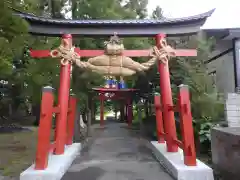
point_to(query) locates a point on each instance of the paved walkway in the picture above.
(116, 153)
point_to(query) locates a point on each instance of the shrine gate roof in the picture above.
(128, 27)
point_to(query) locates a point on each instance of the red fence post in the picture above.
(125, 101)
(63, 97)
(101, 109)
(159, 120)
(186, 126)
(166, 99)
(44, 130)
(71, 119)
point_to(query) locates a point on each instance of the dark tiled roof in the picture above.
(33, 18)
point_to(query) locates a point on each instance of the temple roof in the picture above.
(128, 27)
(222, 23)
(97, 22)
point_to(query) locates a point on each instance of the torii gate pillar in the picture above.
(63, 98)
(166, 99)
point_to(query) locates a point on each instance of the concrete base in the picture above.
(225, 143)
(174, 164)
(57, 165)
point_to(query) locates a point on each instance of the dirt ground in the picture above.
(17, 151)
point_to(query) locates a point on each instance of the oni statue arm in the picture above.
(131, 64)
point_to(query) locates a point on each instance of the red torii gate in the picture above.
(63, 98)
(117, 94)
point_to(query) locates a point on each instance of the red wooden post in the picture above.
(159, 120)
(126, 110)
(166, 99)
(186, 126)
(44, 130)
(101, 108)
(129, 112)
(71, 119)
(63, 98)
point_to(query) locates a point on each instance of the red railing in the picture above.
(184, 108)
(45, 146)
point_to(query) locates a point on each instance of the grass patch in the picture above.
(17, 151)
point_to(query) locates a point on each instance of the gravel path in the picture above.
(116, 153)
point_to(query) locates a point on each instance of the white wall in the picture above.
(224, 67)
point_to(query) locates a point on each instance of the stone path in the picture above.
(116, 153)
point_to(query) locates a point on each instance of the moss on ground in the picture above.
(17, 151)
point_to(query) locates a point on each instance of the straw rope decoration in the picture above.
(113, 62)
(164, 52)
(64, 53)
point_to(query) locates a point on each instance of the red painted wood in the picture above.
(63, 100)
(67, 36)
(56, 110)
(166, 100)
(129, 53)
(186, 127)
(52, 147)
(159, 120)
(161, 36)
(179, 143)
(119, 97)
(39, 53)
(105, 90)
(71, 119)
(44, 131)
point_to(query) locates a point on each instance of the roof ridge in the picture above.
(42, 18)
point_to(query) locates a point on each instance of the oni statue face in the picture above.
(114, 49)
(114, 46)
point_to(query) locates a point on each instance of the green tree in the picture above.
(139, 7)
(108, 9)
(25, 75)
(12, 39)
(157, 13)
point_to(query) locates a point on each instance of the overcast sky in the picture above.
(226, 15)
(181, 8)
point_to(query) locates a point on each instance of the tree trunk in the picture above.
(36, 113)
(77, 129)
(139, 111)
(122, 114)
(89, 118)
(89, 124)
(93, 111)
(146, 108)
(116, 110)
